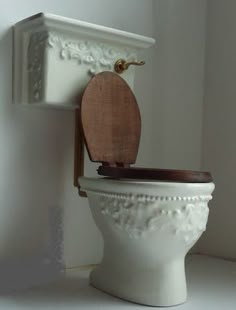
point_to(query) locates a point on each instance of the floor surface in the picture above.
(211, 286)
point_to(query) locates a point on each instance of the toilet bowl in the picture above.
(147, 228)
(149, 218)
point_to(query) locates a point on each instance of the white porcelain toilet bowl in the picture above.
(147, 227)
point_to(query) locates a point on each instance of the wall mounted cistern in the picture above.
(55, 57)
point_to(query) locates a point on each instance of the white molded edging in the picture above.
(54, 58)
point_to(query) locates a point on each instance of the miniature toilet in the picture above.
(148, 218)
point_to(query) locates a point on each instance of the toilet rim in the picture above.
(146, 188)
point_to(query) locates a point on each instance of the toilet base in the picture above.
(164, 286)
(147, 228)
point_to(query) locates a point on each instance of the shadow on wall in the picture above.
(20, 273)
(33, 146)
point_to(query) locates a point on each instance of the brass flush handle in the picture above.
(121, 65)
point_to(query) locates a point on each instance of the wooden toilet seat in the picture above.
(182, 176)
(111, 124)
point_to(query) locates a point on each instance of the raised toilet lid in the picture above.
(111, 123)
(111, 120)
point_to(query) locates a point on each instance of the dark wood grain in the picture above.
(182, 176)
(111, 120)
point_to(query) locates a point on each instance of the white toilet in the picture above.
(149, 218)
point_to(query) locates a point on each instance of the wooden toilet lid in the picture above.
(111, 120)
(111, 123)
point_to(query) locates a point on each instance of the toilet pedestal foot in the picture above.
(163, 286)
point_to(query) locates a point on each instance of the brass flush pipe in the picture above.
(78, 152)
(121, 65)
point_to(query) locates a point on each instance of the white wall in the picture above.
(219, 147)
(36, 146)
(36, 149)
(194, 107)
(179, 82)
